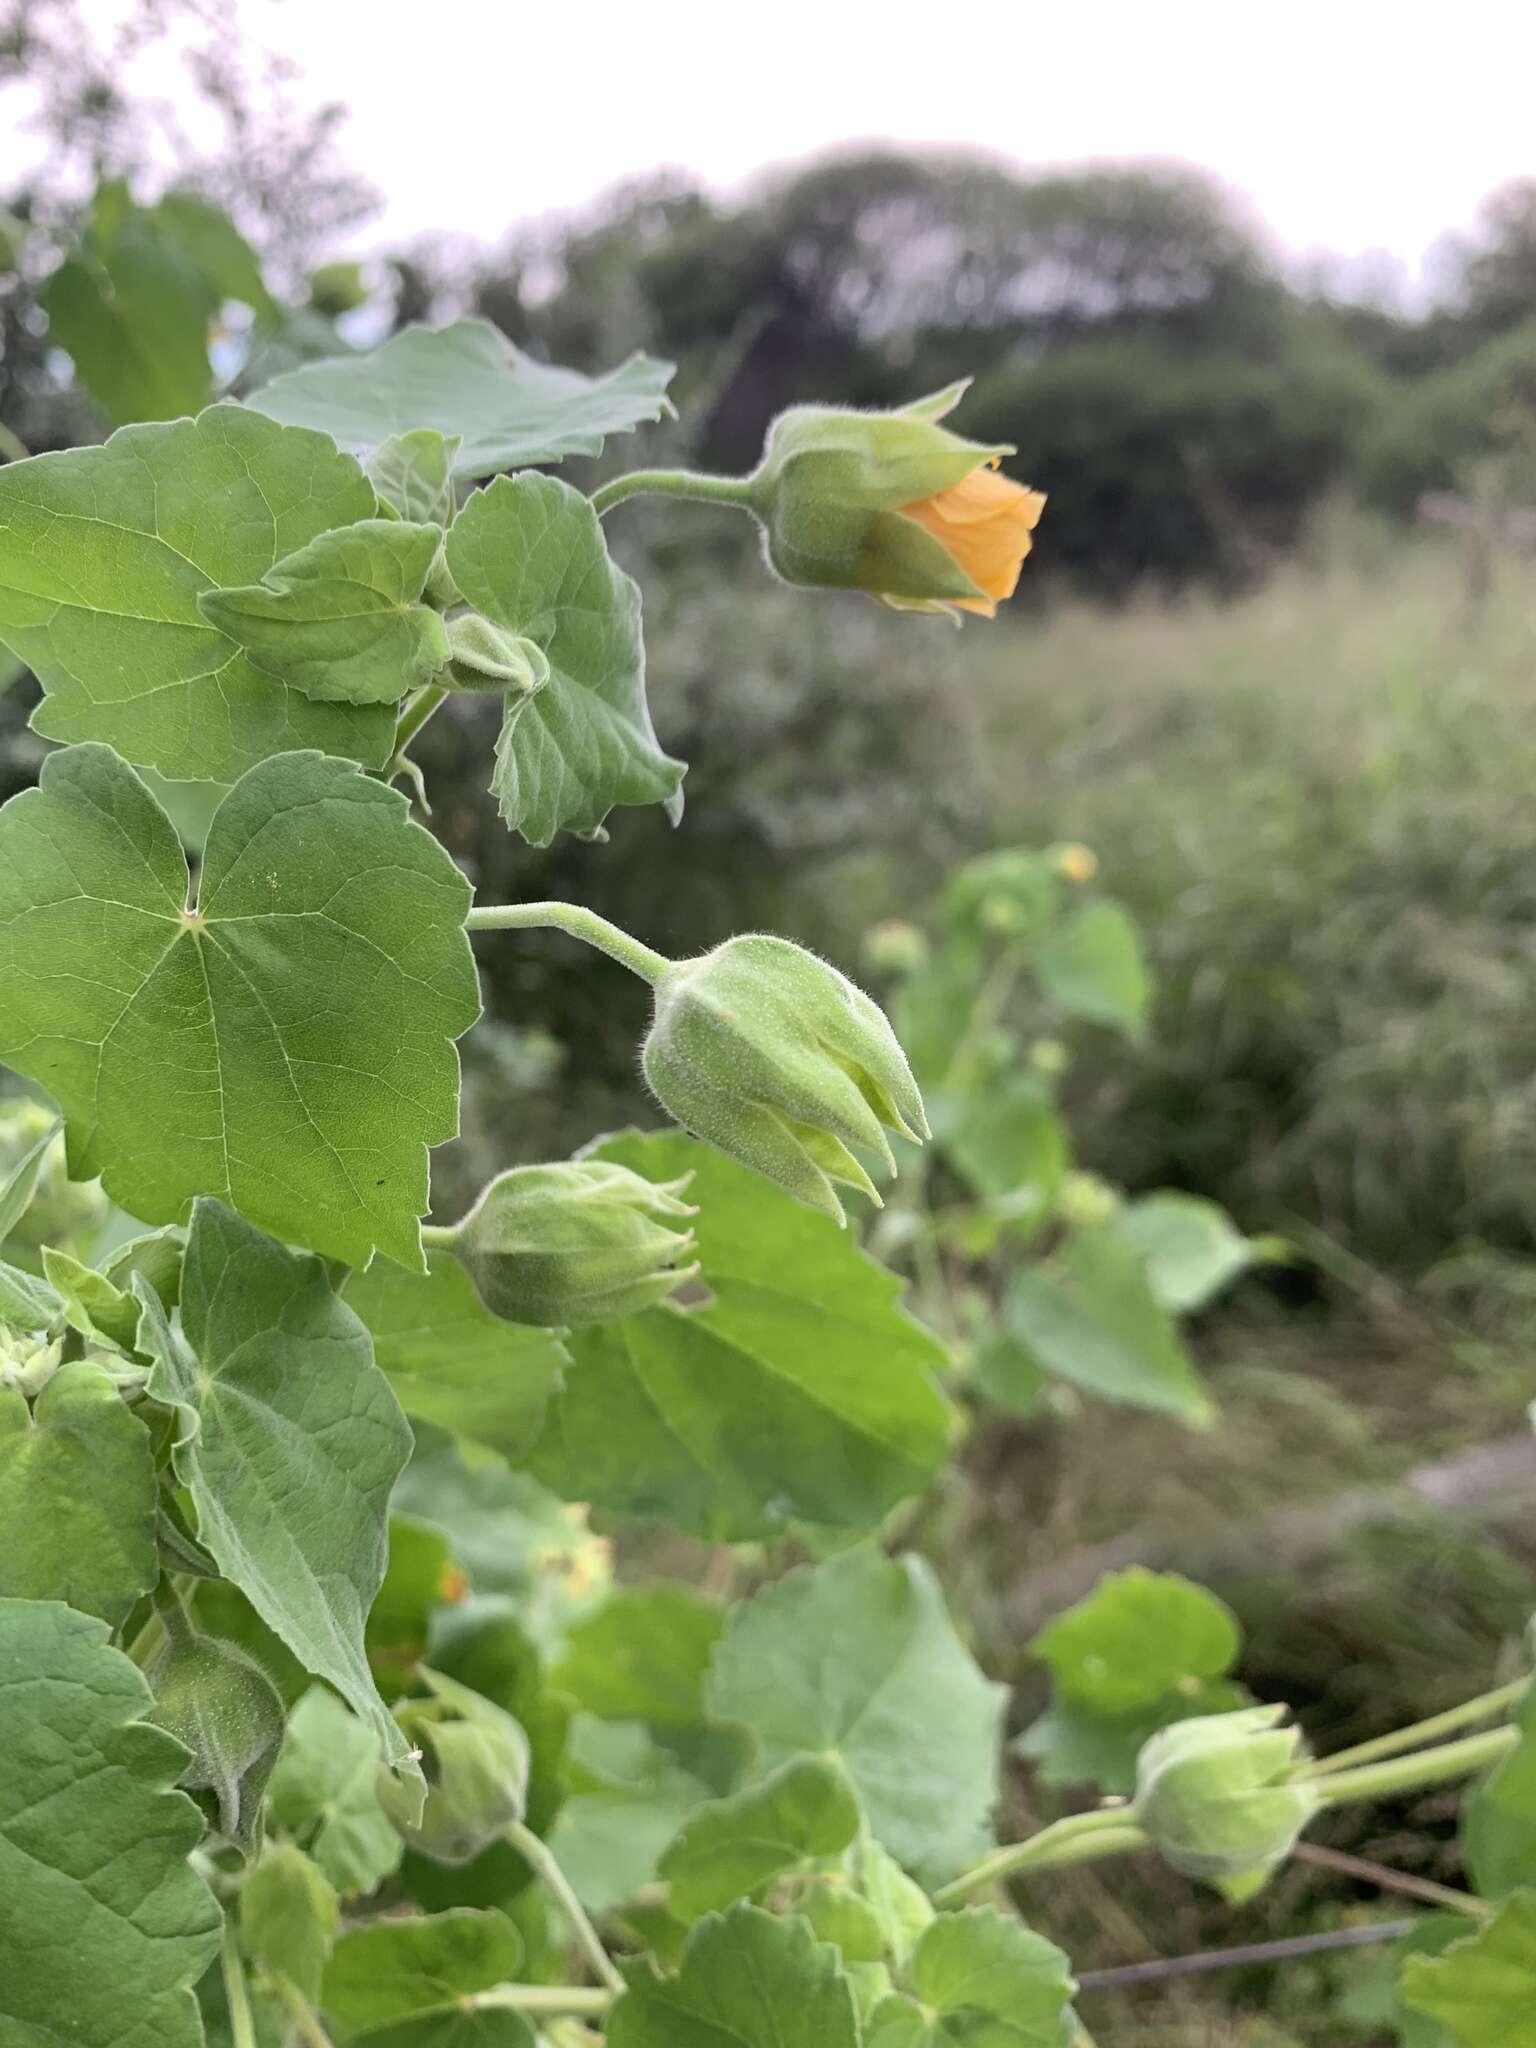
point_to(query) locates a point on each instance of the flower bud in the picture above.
(578, 1242)
(28, 1363)
(770, 1054)
(1217, 1797)
(1085, 1201)
(222, 1705)
(893, 504)
(484, 656)
(895, 947)
(475, 1761)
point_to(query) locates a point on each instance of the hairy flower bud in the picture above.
(475, 1761)
(222, 1705)
(1216, 1793)
(582, 1241)
(894, 504)
(484, 656)
(770, 1054)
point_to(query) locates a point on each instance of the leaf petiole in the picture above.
(1078, 1838)
(674, 483)
(580, 923)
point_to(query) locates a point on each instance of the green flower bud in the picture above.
(895, 947)
(578, 1242)
(222, 1705)
(337, 288)
(475, 1761)
(893, 504)
(1085, 1201)
(486, 657)
(1217, 1796)
(27, 1364)
(773, 1056)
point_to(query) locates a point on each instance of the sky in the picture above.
(1351, 126)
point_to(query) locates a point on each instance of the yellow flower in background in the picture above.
(985, 524)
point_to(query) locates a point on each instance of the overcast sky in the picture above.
(1351, 124)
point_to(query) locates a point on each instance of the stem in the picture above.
(172, 1614)
(539, 1998)
(1388, 1880)
(581, 923)
(1483, 1708)
(427, 700)
(1426, 1767)
(1240, 1958)
(674, 483)
(242, 2028)
(528, 1845)
(1079, 1838)
(301, 2013)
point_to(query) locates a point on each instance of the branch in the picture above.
(1238, 1958)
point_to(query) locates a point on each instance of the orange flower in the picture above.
(984, 524)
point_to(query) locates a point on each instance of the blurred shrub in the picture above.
(1159, 466)
(1435, 431)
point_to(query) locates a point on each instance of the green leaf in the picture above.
(858, 1658)
(209, 238)
(732, 1847)
(1137, 1635)
(468, 380)
(1190, 1245)
(134, 313)
(157, 1254)
(341, 618)
(801, 1390)
(529, 554)
(398, 1983)
(77, 1496)
(1009, 1139)
(289, 1916)
(450, 1360)
(104, 1926)
(1091, 964)
(324, 1791)
(476, 1766)
(984, 1981)
(1089, 1316)
(1483, 1988)
(289, 1445)
(93, 1304)
(642, 1656)
(22, 1179)
(1499, 1817)
(418, 1577)
(1070, 1744)
(27, 1303)
(1431, 1936)
(746, 1980)
(287, 1046)
(103, 555)
(413, 474)
(629, 1796)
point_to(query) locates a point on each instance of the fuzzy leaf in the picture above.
(77, 1496)
(529, 554)
(1483, 1988)
(104, 553)
(324, 1791)
(104, 1926)
(1136, 1636)
(729, 1848)
(413, 474)
(468, 380)
(450, 1360)
(290, 1441)
(1091, 963)
(397, 1983)
(287, 1048)
(801, 1390)
(984, 1981)
(1190, 1245)
(858, 1659)
(289, 1916)
(1499, 1816)
(745, 1980)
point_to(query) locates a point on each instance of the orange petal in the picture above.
(984, 524)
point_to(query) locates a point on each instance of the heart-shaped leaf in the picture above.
(287, 1045)
(104, 553)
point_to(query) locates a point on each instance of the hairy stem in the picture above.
(427, 700)
(1388, 1880)
(580, 923)
(534, 1851)
(1079, 1838)
(1424, 1767)
(301, 2014)
(1483, 1708)
(242, 2028)
(673, 483)
(554, 1998)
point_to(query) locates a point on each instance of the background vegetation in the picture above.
(1290, 716)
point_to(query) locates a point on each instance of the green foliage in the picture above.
(325, 1793)
(289, 1916)
(732, 1848)
(858, 1659)
(467, 381)
(529, 554)
(399, 1983)
(1499, 1818)
(97, 1901)
(743, 1978)
(731, 1420)
(104, 553)
(1484, 1987)
(288, 1442)
(981, 1980)
(231, 987)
